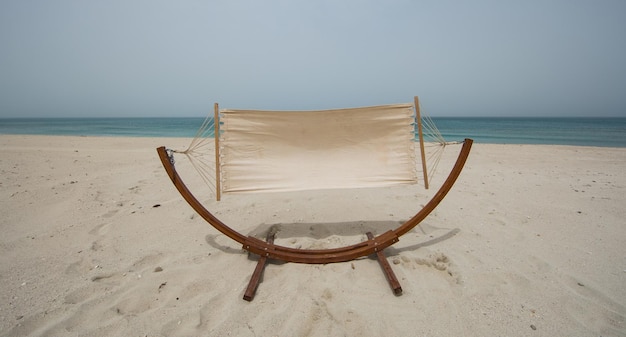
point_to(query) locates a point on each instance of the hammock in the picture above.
(276, 151)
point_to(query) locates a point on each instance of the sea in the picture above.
(587, 131)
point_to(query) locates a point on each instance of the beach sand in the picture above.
(96, 241)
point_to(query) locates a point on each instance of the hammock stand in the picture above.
(268, 250)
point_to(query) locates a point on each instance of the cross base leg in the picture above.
(384, 264)
(256, 275)
(255, 279)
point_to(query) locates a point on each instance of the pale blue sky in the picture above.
(134, 58)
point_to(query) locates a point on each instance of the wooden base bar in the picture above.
(255, 279)
(256, 275)
(384, 264)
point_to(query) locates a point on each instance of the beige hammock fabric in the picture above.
(272, 151)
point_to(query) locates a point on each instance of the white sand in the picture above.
(531, 241)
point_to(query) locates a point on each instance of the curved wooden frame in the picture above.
(316, 256)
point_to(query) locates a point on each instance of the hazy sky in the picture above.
(176, 58)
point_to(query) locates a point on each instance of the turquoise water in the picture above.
(606, 132)
(127, 127)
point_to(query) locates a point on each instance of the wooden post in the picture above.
(421, 138)
(384, 264)
(216, 135)
(258, 271)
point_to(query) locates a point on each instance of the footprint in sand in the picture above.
(78, 268)
(594, 309)
(135, 189)
(100, 229)
(437, 261)
(109, 213)
(120, 285)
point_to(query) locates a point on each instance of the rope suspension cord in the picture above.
(434, 141)
(199, 152)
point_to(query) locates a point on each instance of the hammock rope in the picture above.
(436, 144)
(199, 152)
